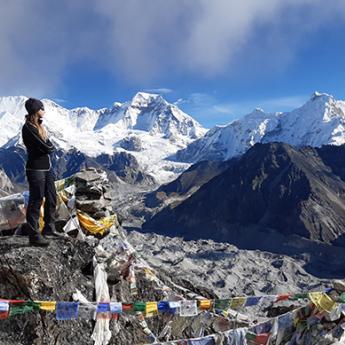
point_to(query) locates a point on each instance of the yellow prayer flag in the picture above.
(205, 304)
(149, 273)
(151, 308)
(47, 305)
(237, 302)
(96, 226)
(322, 301)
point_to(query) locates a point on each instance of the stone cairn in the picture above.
(92, 192)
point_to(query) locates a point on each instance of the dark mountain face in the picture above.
(187, 183)
(125, 166)
(12, 162)
(272, 189)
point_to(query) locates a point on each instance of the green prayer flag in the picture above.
(140, 306)
(297, 296)
(23, 308)
(342, 298)
(222, 304)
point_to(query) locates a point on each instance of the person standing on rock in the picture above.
(39, 174)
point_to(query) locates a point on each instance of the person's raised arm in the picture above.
(32, 138)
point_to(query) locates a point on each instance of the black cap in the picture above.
(33, 105)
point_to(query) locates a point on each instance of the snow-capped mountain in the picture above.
(151, 131)
(319, 121)
(147, 126)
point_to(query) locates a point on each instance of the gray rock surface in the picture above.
(6, 186)
(225, 269)
(131, 143)
(53, 273)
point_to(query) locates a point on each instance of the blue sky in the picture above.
(217, 60)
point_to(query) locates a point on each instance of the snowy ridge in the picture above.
(152, 130)
(159, 126)
(318, 122)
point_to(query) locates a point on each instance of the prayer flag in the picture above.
(297, 296)
(23, 308)
(47, 305)
(257, 339)
(151, 308)
(4, 310)
(285, 321)
(342, 298)
(103, 311)
(87, 311)
(4, 306)
(116, 307)
(103, 307)
(322, 301)
(221, 304)
(209, 340)
(205, 304)
(237, 302)
(252, 300)
(283, 297)
(67, 310)
(127, 307)
(175, 306)
(140, 306)
(188, 308)
(163, 306)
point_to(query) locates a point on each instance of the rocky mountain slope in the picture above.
(273, 190)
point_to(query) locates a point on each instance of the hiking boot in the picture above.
(49, 231)
(38, 241)
(53, 234)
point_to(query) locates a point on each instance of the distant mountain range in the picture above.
(150, 141)
(320, 121)
(139, 134)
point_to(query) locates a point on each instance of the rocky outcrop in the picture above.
(54, 273)
(131, 143)
(125, 166)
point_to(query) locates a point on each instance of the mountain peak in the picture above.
(321, 96)
(143, 99)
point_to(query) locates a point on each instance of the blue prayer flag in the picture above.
(67, 310)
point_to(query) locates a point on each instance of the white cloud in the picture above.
(143, 41)
(161, 90)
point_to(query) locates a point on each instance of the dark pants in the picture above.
(41, 185)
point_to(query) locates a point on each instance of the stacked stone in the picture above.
(93, 193)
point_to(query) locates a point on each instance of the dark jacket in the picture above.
(38, 150)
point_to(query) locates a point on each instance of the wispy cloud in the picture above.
(282, 103)
(145, 40)
(60, 100)
(208, 109)
(159, 90)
